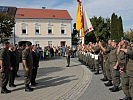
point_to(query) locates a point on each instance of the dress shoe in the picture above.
(126, 98)
(104, 79)
(114, 89)
(34, 84)
(12, 85)
(5, 91)
(28, 89)
(96, 73)
(109, 83)
(67, 66)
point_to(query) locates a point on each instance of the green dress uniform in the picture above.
(129, 71)
(114, 72)
(68, 55)
(27, 55)
(96, 59)
(107, 66)
(122, 59)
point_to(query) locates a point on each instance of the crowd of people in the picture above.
(116, 61)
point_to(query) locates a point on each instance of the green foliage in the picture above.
(116, 27)
(6, 26)
(129, 35)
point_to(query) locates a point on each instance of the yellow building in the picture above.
(47, 27)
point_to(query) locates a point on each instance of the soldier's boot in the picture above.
(109, 83)
(126, 98)
(104, 79)
(28, 88)
(114, 89)
(97, 72)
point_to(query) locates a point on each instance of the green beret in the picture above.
(28, 43)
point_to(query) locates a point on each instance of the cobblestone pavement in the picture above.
(56, 82)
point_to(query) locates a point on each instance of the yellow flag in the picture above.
(78, 18)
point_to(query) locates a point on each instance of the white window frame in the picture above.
(50, 28)
(63, 28)
(24, 26)
(37, 27)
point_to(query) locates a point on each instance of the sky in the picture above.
(97, 8)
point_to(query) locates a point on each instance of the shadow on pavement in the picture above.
(41, 72)
(75, 65)
(53, 82)
(48, 82)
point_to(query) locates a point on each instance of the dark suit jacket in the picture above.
(35, 59)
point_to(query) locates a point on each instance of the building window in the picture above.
(62, 30)
(24, 30)
(50, 43)
(37, 30)
(49, 30)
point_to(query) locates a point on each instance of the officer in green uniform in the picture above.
(68, 55)
(4, 67)
(129, 70)
(27, 66)
(122, 60)
(113, 60)
(96, 59)
(106, 65)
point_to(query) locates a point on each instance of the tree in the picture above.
(101, 30)
(6, 26)
(129, 35)
(116, 27)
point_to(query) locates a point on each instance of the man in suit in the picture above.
(35, 57)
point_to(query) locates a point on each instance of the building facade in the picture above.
(46, 27)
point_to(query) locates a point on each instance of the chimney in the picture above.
(43, 7)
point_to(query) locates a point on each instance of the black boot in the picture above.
(109, 83)
(5, 90)
(28, 89)
(114, 89)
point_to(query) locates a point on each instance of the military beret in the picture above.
(28, 43)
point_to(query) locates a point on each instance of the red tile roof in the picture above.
(42, 13)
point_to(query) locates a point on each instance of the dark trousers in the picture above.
(17, 68)
(68, 60)
(34, 74)
(12, 76)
